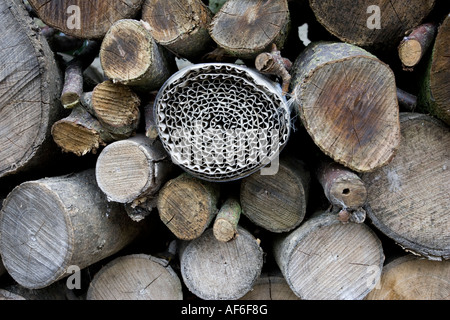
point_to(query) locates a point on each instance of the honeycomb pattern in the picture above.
(221, 122)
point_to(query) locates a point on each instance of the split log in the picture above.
(408, 199)
(187, 205)
(216, 270)
(135, 277)
(129, 55)
(412, 278)
(51, 224)
(247, 28)
(413, 47)
(270, 287)
(80, 133)
(342, 187)
(129, 171)
(84, 19)
(29, 93)
(277, 202)
(116, 107)
(368, 23)
(434, 94)
(73, 75)
(324, 259)
(181, 26)
(227, 219)
(350, 116)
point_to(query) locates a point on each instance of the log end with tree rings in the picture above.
(220, 121)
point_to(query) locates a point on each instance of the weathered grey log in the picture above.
(412, 278)
(29, 93)
(367, 23)
(130, 170)
(247, 28)
(55, 291)
(85, 19)
(181, 26)
(135, 277)
(129, 55)
(408, 199)
(51, 224)
(324, 259)
(227, 219)
(270, 286)
(216, 270)
(187, 205)
(351, 117)
(277, 202)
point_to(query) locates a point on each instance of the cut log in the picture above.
(29, 93)
(187, 205)
(277, 202)
(270, 287)
(129, 55)
(80, 133)
(227, 219)
(180, 26)
(342, 187)
(116, 107)
(84, 19)
(50, 224)
(130, 170)
(368, 23)
(6, 295)
(324, 259)
(350, 116)
(247, 28)
(412, 278)
(135, 277)
(216, 270)
(73, 75)
(413, 47)
(434, 94)
(406, 101)
(408, 199)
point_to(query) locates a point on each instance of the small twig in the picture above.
(273, 63)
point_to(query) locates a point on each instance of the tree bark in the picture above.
(29, 93)
(434, 94)
(413, 47)
(355, 22)
(226, 221)
(215, 270)
(324, 259)
(181, 26)
(351, 117)
(408, 199)
(129, 55)
(80, 133)
(277, 202)
(247, 28)
(187, 205)
(50, 224)
(85, 19)
(130, 170)
(135, 277)
(412, 278)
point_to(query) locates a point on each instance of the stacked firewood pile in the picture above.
(224, 150)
